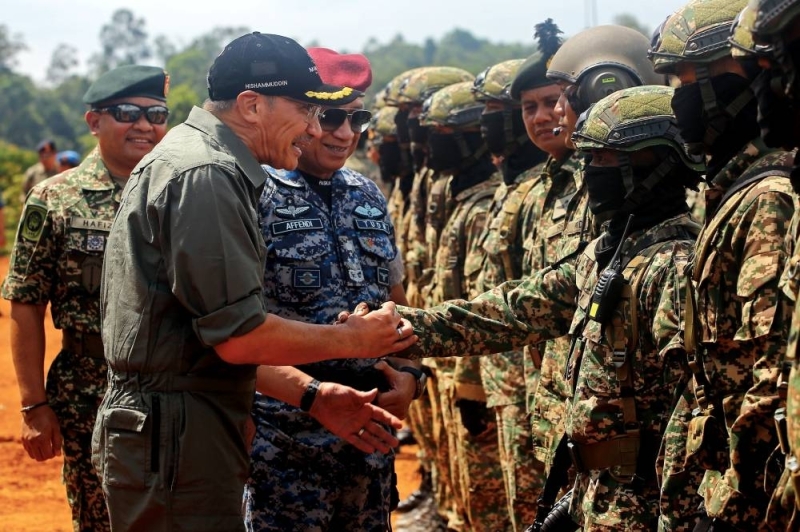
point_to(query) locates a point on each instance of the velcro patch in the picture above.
(280, 228)
(95, 242)
(383, 276)
(33, 222)
(373, 225)
(95, 224)
(306, 278)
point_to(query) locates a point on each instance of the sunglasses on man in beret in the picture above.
(332, 119)
(129, 113)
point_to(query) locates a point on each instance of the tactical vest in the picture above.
(451, 279)
(631, 455)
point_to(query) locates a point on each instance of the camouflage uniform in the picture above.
(322, 259)
(35, 175)
(57, 259)
(620, 409)
(516, 207)
(741, 319)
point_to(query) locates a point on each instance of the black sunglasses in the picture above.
(129, 113)
(332, 119)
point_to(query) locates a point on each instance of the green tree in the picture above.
(62, 63)
(10, 46)
(180, 101)
(123, 42)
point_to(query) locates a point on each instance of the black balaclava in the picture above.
(454, 151)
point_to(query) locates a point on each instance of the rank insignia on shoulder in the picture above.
(33, 222)
(367, 211)
(291, 211)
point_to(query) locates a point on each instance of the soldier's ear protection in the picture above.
(599, 83)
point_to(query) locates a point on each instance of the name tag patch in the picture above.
(306, 278)
(94, 224)
(280, 228)
(373, 225)
(383, 276)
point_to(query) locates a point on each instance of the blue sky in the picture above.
(338, 24)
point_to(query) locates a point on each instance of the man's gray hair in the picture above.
(219, 106)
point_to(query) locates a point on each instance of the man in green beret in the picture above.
(57, 259)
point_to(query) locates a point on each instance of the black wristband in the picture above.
(28, 408)
(420, 376)
(310, 393)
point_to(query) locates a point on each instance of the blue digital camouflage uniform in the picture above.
(321, 260)
(57, 259)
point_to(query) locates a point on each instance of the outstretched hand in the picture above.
(349, 414)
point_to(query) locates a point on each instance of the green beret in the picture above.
(128, 81)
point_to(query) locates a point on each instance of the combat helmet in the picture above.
(423, 82)
(532, 73)
(773, 16)
(453, 106)
(392, 90)
(382, 122)
(634, 119)
(631, 120)
(741, 37)
(600, 61)
(696, 33)
(494, 83)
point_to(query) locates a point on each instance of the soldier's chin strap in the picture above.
(468, 155)
(719, 118)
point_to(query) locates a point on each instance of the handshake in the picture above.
(379, 332)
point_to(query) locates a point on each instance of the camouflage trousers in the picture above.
(287, 492)
(449, 496)
(75, 387)
(481, 478)
(420, 421)
(84, 491)
(523, 474)
(602, 504)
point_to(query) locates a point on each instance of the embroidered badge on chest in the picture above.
(383, 276)
(95, 243)
(367, 211)
(306, 278)
(290, 210)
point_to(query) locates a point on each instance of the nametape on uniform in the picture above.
(280, 228)
(33, 223)
(373, 225)
(94, 224)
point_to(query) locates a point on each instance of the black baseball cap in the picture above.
(273, 65)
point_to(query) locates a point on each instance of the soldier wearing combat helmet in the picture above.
(737, 341)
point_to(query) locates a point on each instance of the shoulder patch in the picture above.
(33, 222)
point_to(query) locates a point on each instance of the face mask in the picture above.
(493, 131)
(389, 162)
(774, 108)
(605, 188)
(444, 152)
(419, 143)
(691, 116)
(401, 121)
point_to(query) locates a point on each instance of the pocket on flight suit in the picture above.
(127, 446)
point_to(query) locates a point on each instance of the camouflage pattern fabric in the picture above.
(502, 375)
(547, 394)
(321, 260)
(361, 163)
(396, 208)
(416, 257)
(744, 325)
(544, 306)
(35, 175)
(57, 259)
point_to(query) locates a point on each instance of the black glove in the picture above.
(473, 415)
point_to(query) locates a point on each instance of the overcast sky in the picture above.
(339, 24)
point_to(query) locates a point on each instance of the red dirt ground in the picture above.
(32, 498)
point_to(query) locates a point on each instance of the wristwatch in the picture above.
(421, 376)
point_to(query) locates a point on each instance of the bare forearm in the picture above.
(27, 350)
(284, 383)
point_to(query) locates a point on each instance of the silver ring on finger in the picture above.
(360, 431)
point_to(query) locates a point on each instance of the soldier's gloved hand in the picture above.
(473, 415)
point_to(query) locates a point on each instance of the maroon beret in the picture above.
(348, 70)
